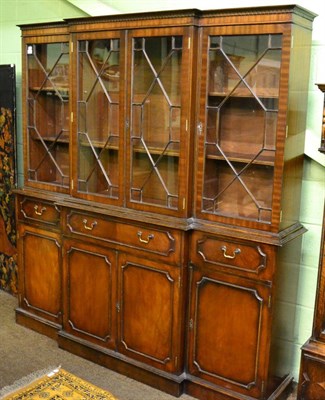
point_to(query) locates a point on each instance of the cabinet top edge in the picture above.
(62, 200)
(274, 9)
(254, 235)
(194, 13)
(123, 17)
(182, 224)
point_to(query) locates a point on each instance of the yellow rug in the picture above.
(59, 385)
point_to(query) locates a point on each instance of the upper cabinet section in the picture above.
(182, 113)
(47, 113)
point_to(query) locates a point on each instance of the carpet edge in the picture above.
(27, 380)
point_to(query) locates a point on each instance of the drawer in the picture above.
(158, 241)
(246, 258)
(31, 209)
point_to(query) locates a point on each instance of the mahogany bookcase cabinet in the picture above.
(312, 366)
(162, 160)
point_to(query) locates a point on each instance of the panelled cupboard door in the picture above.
(240, 116)
(40, 275)
(159, 119)
(46, 118)
(149, 312)
(229, 321)
(98, 67)
(89, 293)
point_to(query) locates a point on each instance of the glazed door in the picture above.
(149, 312)
(40, 277)
(48, 115)
(228, 329)
(99, 162)
(89, 293)
(159, 125)
(238, 127)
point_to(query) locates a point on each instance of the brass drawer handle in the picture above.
(224, 249)
(91, 227)
(146, 241)
(39, 212)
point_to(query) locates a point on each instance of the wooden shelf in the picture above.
(157, 151)
(52, 139)
(272, 93)
(52, 91)
(153, 150)
(242, 159)
(98, 143)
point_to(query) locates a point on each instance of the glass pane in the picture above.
(242, 112)
(98, 116)
(252, 59)
(48, 113)
(155, 120)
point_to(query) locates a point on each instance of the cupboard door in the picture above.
(48, 114)
(100, 91)
(240, 114)
(89, 293)
(149, 312)
(40, 277)
(159, 119)
(229, 324)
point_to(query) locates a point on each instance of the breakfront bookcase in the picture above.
(162, 169)
(312, 365)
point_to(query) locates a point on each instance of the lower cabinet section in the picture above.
(228, 339)
(191, 313)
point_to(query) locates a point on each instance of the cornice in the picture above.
(194, 14)
(184, 13)
(277, 9)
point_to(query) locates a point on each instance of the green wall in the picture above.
(299, 299)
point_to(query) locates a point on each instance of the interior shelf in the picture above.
(271, 93)
(242, 159)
